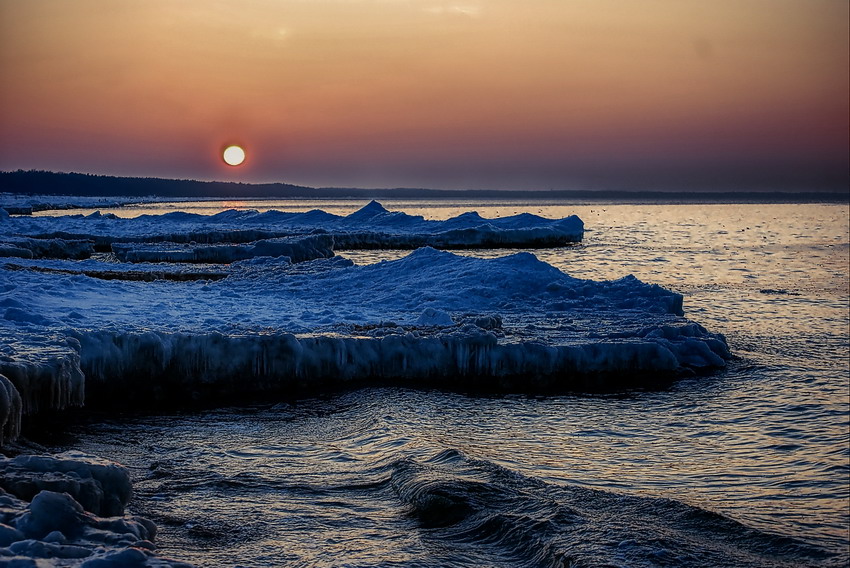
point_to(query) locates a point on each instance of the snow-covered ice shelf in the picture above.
(429, 318)
(232, 314)
(370, 227)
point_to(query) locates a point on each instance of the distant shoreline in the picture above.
(42, 183)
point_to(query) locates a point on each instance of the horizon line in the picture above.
(680, 193)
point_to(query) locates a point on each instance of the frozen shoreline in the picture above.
(74, 330)
(418, 321)
(292, 315)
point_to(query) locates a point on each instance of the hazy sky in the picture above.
(562, 94)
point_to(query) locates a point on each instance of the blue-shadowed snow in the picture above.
(270, 325)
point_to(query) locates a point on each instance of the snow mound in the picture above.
(442, 280)
(273, 293)
(68, 510)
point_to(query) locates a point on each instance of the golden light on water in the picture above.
(233, 155)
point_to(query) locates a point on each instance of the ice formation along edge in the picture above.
(287, 316)
(371, 227)
(68, 510)
(188, 308)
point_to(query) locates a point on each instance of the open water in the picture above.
(745, 467)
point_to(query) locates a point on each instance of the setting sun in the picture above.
(502, 283)
(233, 155)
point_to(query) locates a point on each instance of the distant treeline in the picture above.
(36, 182)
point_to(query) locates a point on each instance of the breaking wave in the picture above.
(428, 479)
(484, 512)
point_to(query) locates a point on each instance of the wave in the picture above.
(480, 512)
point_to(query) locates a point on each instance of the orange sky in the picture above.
(564, 94)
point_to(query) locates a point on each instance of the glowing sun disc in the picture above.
(233, 155)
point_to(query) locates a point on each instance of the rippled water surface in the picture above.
(748, 466)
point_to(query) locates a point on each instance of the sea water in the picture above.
(743, 467)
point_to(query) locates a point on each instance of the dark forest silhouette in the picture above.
(37, 182)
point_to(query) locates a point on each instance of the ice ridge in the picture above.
(372, 226)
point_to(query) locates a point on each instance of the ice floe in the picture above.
(68, 510)
(372, 226)
(26, 247)
(297, 249)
